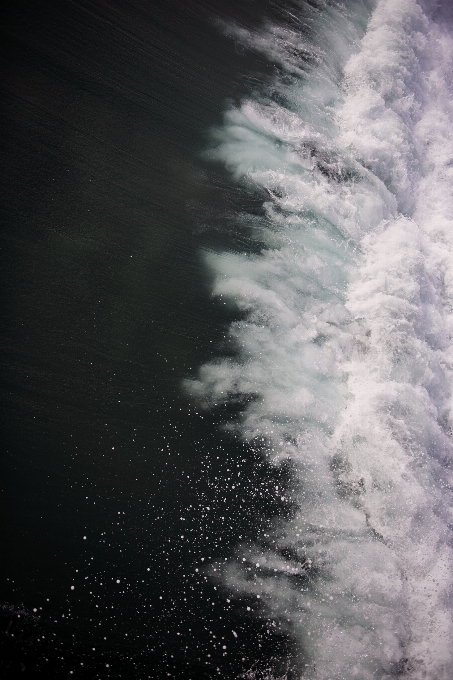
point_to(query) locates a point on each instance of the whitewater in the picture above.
(344, 336)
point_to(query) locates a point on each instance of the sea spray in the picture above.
(344, 347)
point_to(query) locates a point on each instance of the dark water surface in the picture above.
(114, 488)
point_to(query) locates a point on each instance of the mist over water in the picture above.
(343, 340)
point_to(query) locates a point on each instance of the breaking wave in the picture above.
(344, 343)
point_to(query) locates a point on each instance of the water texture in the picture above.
(343, 364)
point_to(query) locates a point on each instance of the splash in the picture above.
(345, 340)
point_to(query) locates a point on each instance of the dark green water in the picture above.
(108, 472)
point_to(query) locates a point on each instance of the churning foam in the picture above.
(345, 341)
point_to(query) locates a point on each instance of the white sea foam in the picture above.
(346, 341)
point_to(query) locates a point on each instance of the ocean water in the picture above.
(226, 374)
(110, 473)
(106, 470)
(338, 364)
